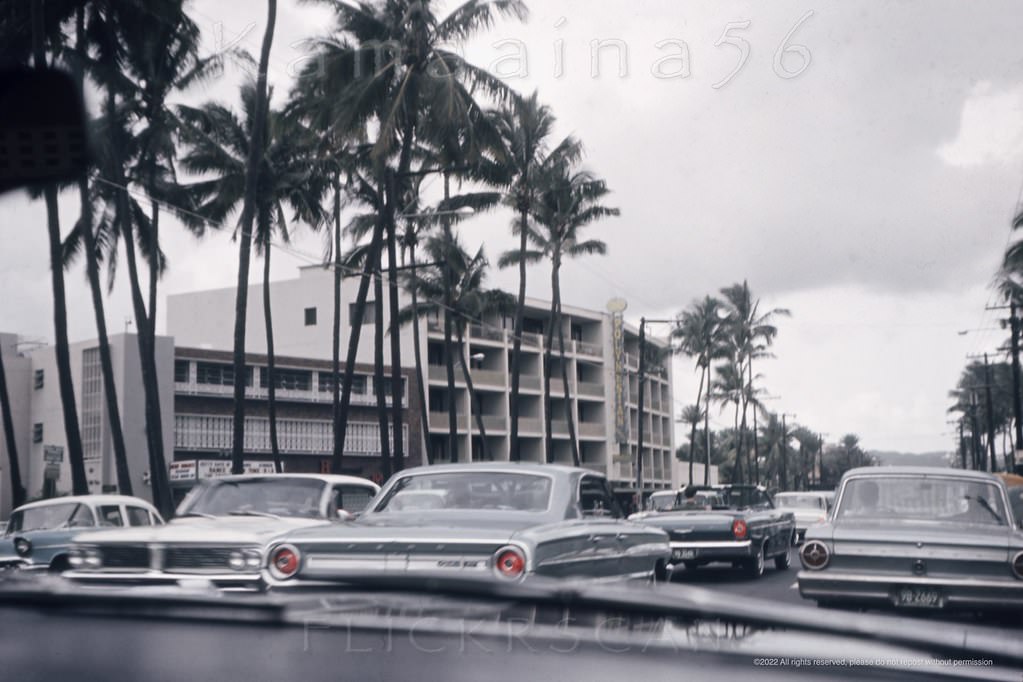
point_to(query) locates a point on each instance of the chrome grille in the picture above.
(187, 558)
(126, 556)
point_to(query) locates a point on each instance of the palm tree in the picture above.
(41, 29)
(568, 204)
(750, 333)
(692, 415)
(525, 127)
(729, 387)
(470, 301)
(218, 142)
(391, 68)
(701, 335)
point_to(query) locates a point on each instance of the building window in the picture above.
(576, 332)
(326, 383)
(219, 374)
(37, 433)
(368, 315)
(38, 378)
(289, 379)
(181, 368)
(310, 317)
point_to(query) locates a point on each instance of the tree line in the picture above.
(725, 336)
(383, 103)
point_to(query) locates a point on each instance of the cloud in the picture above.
(990, 129)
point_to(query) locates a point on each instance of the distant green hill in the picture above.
(926, 459)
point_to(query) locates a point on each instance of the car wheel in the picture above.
(783, 560)
(755, 566)
(59, 564)
(660, 573)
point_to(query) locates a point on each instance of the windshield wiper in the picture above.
(197, 513)
(253, 512)
(987, 506)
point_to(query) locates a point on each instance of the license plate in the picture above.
(918, 597)
(683, 554)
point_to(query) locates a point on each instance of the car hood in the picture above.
(223, 529)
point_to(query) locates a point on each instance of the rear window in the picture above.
(948, 500)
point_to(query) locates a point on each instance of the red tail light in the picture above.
(739, 529)
(284, 562)
(814, 555)
(510, 563)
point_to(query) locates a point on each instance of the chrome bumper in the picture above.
(163, 578)
(881, 590)
(724, 550)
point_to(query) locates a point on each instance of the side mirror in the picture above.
(345, 515)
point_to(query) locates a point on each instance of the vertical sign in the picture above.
(616, 307)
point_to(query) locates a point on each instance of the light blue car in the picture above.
(38, 534)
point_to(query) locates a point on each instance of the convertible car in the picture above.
(505, 520)
(668, 500)
(221, 530)
(919, 538)
(38, 535)
(744, 529)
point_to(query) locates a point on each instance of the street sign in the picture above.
(53, 454)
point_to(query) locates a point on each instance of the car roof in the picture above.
(921, 471)
(89, 499)
(822, 493)
(524, 467)
(326, 478)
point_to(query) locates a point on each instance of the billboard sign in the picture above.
(617, 307)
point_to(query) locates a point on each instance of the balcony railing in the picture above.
(531, 340)
(592, 429)
(312, 395)
(488, 377)
(595, 466)
(592, 389)
(492, 423)
(589, 349)
(530, 425)
(529, 382)
(481, 332)
(559, 427)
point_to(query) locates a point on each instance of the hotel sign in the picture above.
(616, 307)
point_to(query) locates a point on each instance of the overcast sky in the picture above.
(869, 190)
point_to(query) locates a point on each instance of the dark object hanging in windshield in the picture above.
(42, 128)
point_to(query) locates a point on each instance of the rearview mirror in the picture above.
(42, 128)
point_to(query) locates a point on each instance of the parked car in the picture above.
(38, 534)
(505, 520)
(221, 530)
(809, 508)
(745, 529)
(916, 538)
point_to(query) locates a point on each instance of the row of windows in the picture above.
(202, 432)
(222, 374)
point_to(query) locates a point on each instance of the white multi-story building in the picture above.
(195, 373)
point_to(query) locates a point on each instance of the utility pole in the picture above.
(783, 471)
(990, 414)
(974, 431)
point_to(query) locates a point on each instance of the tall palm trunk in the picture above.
(420, 379)
(124, 486)
(335, 349)
(271, 378)
(17, 487)
(154, 267)
(341, 418)
(449, 359)
(737, 466)
(548, 347)
(378, 372)
(79, 483)
(520, 316)
(706, 431)
(154, 422)
(564, 375)
(692, 434)
(252, 166)
(474, 401)
(397, 394)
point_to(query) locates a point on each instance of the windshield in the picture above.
(42, 518)
(278, 496)
(661, 501)
(468, 490)
(799, 501)
(946, 500)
